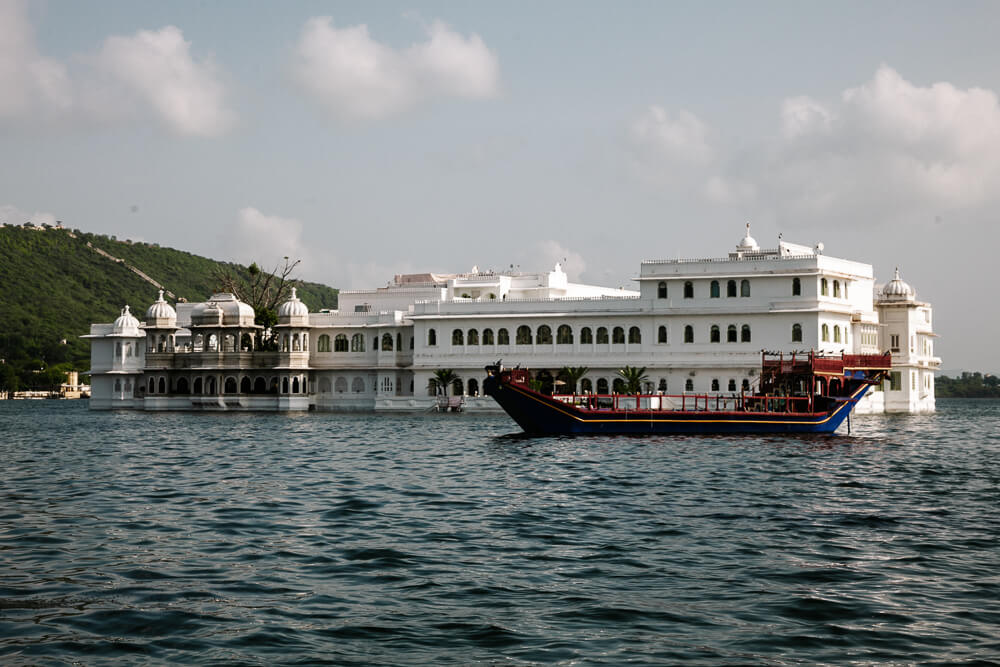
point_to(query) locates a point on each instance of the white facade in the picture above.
(696, 325)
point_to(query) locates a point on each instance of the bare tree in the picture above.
(262, 290)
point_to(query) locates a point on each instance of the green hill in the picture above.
(55, 282)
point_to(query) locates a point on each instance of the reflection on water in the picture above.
(450, 539)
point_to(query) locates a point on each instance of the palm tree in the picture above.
(633, 377)
(443, 379)
(572, 375)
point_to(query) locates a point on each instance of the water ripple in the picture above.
(339, 539)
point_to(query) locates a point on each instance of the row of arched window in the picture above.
(825, 334)
(230, 385)
(714, 289)
(357, 343)
(733, 335)
(339, 385)
(523, 335)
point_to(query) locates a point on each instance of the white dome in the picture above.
(748, 243)
(226, 307)
(126, 324)
(293, 307)
(161, 312)
(897, 289)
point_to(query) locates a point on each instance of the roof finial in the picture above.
(293, 294)
(161, 295)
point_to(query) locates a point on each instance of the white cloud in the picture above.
(887, 150)
(682, 139)
(357, 78)
(150, 71)
(158, 68)
(544, 255)
(30, 84)
(264, 239)
(12, 215)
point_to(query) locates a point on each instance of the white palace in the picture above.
(696, 325)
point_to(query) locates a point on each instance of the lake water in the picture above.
(444, 539)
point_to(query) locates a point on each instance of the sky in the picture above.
(369, 139)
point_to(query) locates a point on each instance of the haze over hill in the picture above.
(55, 282)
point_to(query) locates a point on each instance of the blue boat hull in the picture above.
(540, 414)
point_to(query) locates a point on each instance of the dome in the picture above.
(293, 307)
(161, 313)
(225, 309)
(748, 244)
(897, 289)
(126, 324)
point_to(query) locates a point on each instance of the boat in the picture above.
(802, 392)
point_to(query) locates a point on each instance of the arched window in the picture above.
(602, 335)
(162, 386)
(503, 338)
(836, 333)
(661, 290)
(714, 335)
(602, 386)
(634, 336)
(796, 287)
(714, 290)
(325, 386)
(689, 385)
(745, 333)
(472, 337)
(456, 387)
(744, 287)
(688, 334)
(197, 386)
(688, 290)
(182, 386)
(731, 333)
(399, 341)
(488, 337)
(457, 337)
(618, 336)
(284, 385)
(523, 336)
(213, 343)
(323, 343)
(662, 387)
(245, 385)
(358, 385)
(732, 384)
(340, 385)
(118, 349)
(796, 333)
(564, 335)
(731, 288)
(618, 386)
(118, 384)
(586, 336)
(260, 385)
(295, 385)
(586, 386)
(473, 387)
(432, 338)
(661, 334)
(151, 388)
(836, 289)
(823, 287)
(746, 384)
(210, 387)
(715, 384)
(340, 343)
(358, 343)
(387, 342)
(825, 333)
(544, 336)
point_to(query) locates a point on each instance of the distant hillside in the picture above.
(53, 285)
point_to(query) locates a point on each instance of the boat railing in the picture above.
(688, 402)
